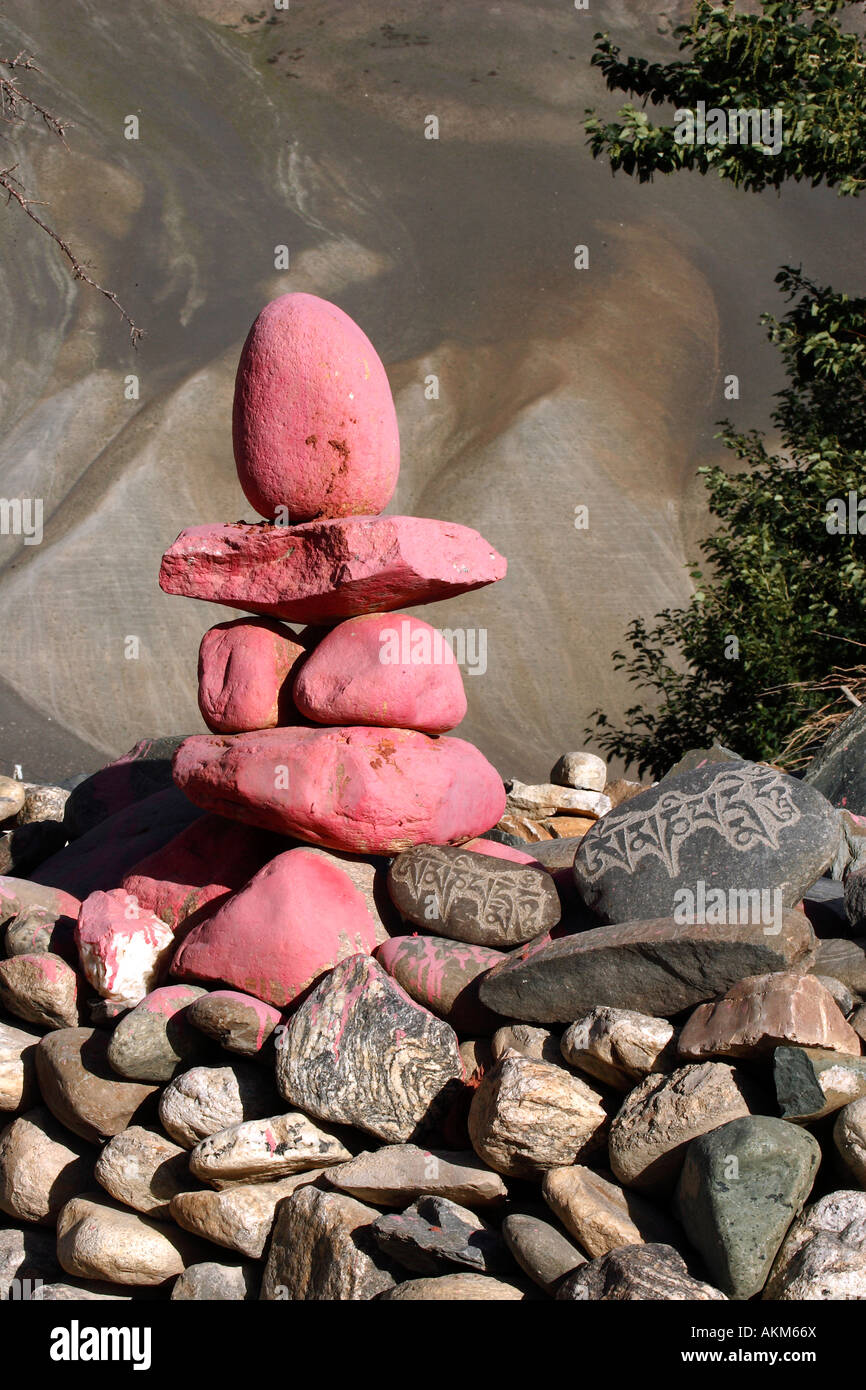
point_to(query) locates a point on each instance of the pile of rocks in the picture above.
(281, 1021)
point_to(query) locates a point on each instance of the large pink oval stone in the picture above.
(369, 791)
(245, 675)
(298, 917)
(385, 668)
(314, 424)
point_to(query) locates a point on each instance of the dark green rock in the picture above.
(541, 1250)
(839, 769)
(812, 1081)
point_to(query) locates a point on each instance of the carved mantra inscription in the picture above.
(473, 897)
(745, 807)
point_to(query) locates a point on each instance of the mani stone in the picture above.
(542, 1252)
(837, 768)
(654, 967)
(600, 1215)
(434, 1236)
(844, 959)
(359, 1051)
(477, 898)
(154, 1039)
(529, 1116)
(212, 1282)
(18, 1087)
(204, 1100)
(647, 1273)
(457, 1288)
(143, 1170)
(811, 1081)
(265, 1150)
(239, 1218)
(238, 1022)
(540, 1044)
(580, 770)
(42, 1165)
(736, 826)
(619, 1047)
(322, 571)
(849, 1136)
(546, 799)
(823, 1256)
(322, 1249)
(444, 976)
(82, 1091)
(763, 1011)
(740, 1188)
(98, 1240)
(40, 989)
(399, 1174)
(649, 1134)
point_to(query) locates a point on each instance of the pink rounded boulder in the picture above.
(245, 675)
(387, 669)
(298, 917)
(314, 424)
(369, 791)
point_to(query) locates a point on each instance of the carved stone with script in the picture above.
(472, 897)
(735, 826)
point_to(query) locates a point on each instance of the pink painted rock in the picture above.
(19, 894)
(238, 1022)
(201, 866)
(245, 672)
(41, 989)
(154, 1040)
(124, 949)
(500, 851)
(370, 791)
(322, 571)
(443, 975)
(295, 920)
(383, 669)
(314, 424)
(763, 1012)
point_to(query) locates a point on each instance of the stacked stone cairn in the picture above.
(279, 1019)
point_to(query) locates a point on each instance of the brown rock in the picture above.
(844, 959)
(143, 1170)
(397, 1174)
(80, 1088)
(41, 989)
(619, 1046)
(568, 827)
(457, 1288)
(763, 1011)
(98, 1240)
(539, 1044)
(18, 1086)
(265, 1150)
(523, 827)
(41, 1166)
(322, 1251)
(646, 1273)
(239, 1218)
(600, 1215)
(238, 1022)
(849, 1136)
(621, 789)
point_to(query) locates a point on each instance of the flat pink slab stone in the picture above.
(366, 790)
(322, 571)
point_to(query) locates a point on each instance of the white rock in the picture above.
(264, 1150)
(580, 770)
(823, 1256)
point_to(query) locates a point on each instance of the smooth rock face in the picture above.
(471, 897)
(18, 1088)
(265, 1150)
(144, 1170)
(541, 1250)
(537, 1043)
(359, 1051)
(546, 799)
(763, 1011)
(97, 1240)
(385, 668)
(322, 1250)
(600, 1215)
(153, 1041)
(314, 424)
(824, 1253)
(41, 1166)
(211, 1282)
(528, 1116)
(837, 769)
(80, 1088)
(398, 1174)
(41, 989)
(298, 917)
(849, 1136)
(238, 1022)
(740, 1188)
(204, 1100)
(239, 1218)
(245, 673)
(811, 1082)
(619, 1046)
(322, 571)
(846, 960)
(124, 949)
(370, 791)
(434, 1236)
(654, 1273)
(443, 975)
(654, 967)
(733, 826)
(370, 877)
(649, 1134)
(580, 770)
(457, 1288)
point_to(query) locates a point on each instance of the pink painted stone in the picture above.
(326, 570)
(245, 671)
(238, 1022)
(124, 950)
(294, 921)
(444, 975)
(369, 791)
(314, 424)
(202, 865)
(19, 894)
(499, 851)
(387, 669)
